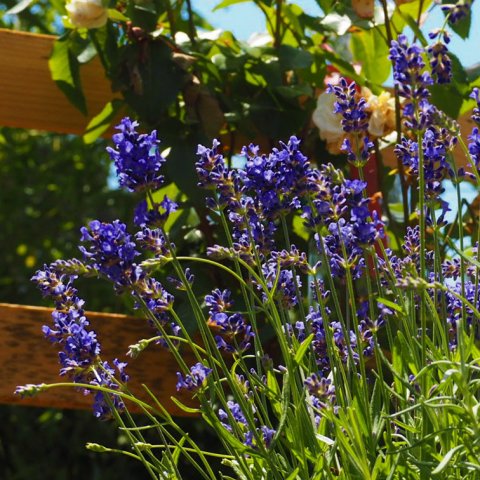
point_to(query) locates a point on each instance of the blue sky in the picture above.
(244, 19)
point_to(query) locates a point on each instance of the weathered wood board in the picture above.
(26, 357)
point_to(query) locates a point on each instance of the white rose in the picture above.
(328, 123)
(87, 13)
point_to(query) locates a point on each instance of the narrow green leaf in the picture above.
(303, 349)
(389, 304)
(178, 450)
(446, 460)
(285, 404)
(294, 474)
(412, 23)
(324, 439)
(100, 123)
(184, 407)
(19, 7)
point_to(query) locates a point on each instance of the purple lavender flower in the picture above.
(80, 354)
(340, 206)
(321, 393)
(154, 241)
(195, 379)
(355, 118)
(455, 309)
(474, 147)
(234, 333)
(408, 67)
(412, 82)
(436, 143)
(440, 62)
(136, 158)
(219, 301)
(475, 95)
(111, 250)
(457, 11)
(288, 284)
(155, 216)
(241, 426)
(278, 180)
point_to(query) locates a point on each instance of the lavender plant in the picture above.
(372, 366)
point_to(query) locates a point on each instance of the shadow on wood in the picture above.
(26, 357)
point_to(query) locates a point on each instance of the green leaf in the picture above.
(151, 79)
(369, 48)
(299, 228)
(100, 123)
(446, 460)
(325, 5)
(227, 3)
(322, 438)
(292, 58)
(117, 16)
(64, 68)
(294, 91)
(87, 54)
(302, 350)
(184, 407)
(19, 7)
(294, 474)
(389, 304)
(447, 98)
(462, 27)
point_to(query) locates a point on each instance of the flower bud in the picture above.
(87, 13)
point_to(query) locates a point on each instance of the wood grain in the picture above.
(29, 98)
(26, 357)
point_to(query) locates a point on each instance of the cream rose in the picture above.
(382, 112)
(328, 122)
(87, 13)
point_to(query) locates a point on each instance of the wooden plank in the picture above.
(29, 98)
(26, 357)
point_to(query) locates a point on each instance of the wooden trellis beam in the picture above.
(30, 99)
(28, 358)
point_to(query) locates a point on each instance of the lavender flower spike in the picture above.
(136, 158)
